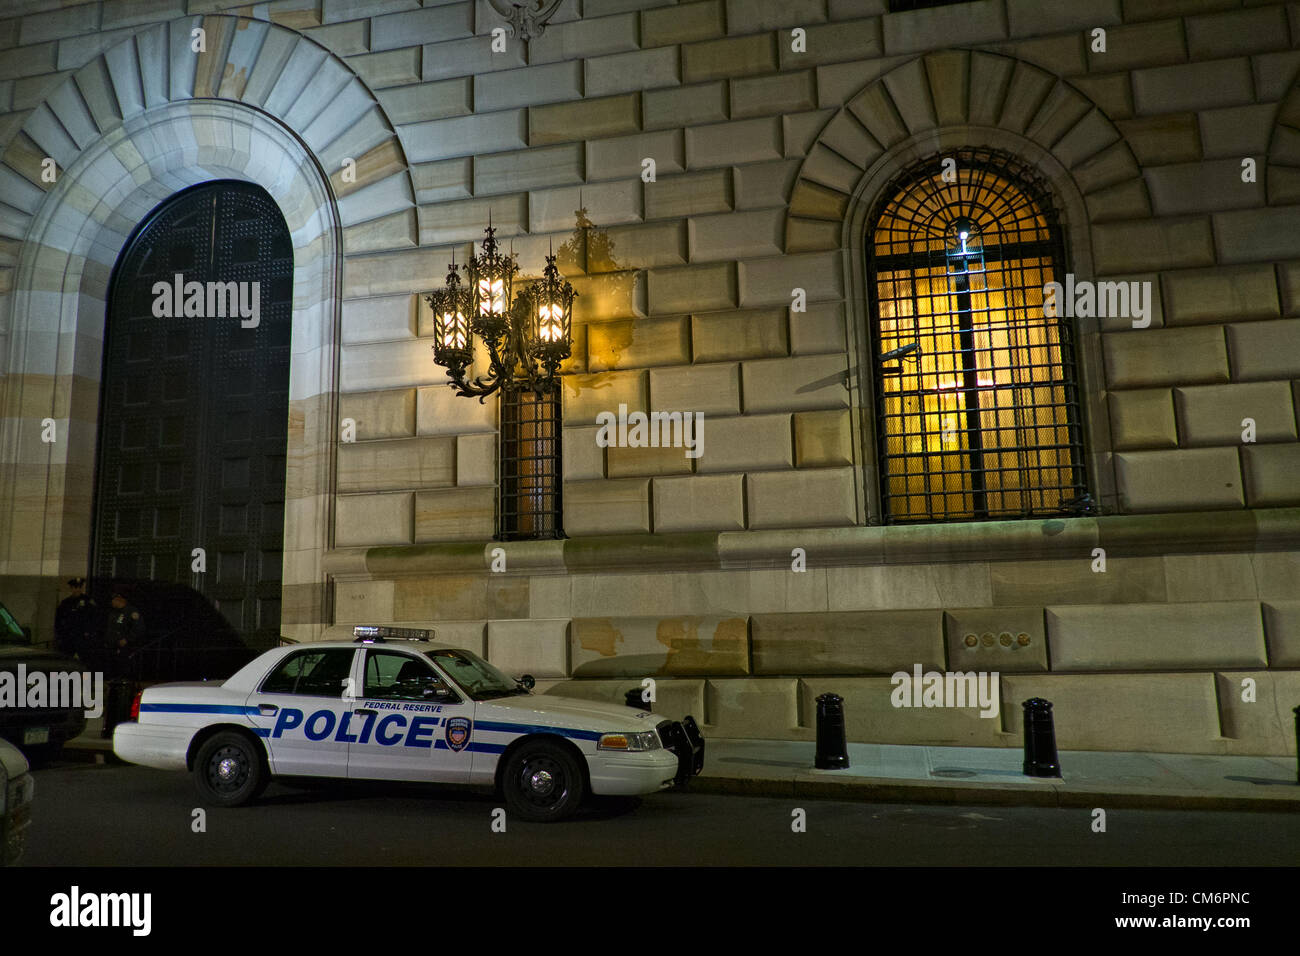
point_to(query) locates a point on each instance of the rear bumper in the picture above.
(60, 725)
(153, 745)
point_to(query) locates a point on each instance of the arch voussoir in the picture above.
(952, 98)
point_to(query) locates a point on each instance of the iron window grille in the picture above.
(529, 499)
(977, 406)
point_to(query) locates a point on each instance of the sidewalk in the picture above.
(886, 773)
(992, 775)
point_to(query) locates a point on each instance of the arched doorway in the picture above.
(194, 403)
(977, 402)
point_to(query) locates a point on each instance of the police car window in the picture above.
(313, 673)
(480, 679)
(392, 676)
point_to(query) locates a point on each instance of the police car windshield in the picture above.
(476, 676)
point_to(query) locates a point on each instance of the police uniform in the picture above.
(123, 638)
(78, 626)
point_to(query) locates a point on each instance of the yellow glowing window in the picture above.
(529, 502)
(977, 409)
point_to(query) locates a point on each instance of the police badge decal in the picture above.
(458, 733)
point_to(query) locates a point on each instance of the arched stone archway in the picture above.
(1282, 170)
(941, 102)
(959, 98)
(143, 120)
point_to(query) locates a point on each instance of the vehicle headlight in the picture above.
(649, 740)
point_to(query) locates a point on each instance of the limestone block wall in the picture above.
(1195, 653)
(765, 160)
(389, 131)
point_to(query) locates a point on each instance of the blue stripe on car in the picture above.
(197, 709)
(536, 729)
(484, 725)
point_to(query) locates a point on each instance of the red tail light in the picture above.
(135, 706)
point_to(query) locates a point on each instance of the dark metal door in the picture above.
(195, 403)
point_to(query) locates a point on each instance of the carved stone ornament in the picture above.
(527, 19)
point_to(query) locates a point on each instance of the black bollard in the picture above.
(1040, 739)
(634, 699)
(832, 750)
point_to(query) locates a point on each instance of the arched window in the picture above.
(977, 410)
(194, 407)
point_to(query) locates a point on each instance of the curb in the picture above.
(893, 790)
(886, 790)
(88, 751)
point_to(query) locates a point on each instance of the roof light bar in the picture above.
(382, 633)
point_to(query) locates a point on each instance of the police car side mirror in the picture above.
(526, 682)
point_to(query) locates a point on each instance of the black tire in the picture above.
(228, 770)
(543, 782)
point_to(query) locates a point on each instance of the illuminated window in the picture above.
(529, 505)
(977, 409)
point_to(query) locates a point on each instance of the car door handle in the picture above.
(365, 711)
(266, 710)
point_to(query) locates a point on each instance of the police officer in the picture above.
(125, 633)
(78, 623)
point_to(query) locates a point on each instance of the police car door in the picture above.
(414, 725)
(303, 711)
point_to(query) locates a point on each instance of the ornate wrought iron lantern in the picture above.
(527, 336)
(548, 306)
(452, 345)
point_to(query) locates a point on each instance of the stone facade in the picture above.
(389, 131)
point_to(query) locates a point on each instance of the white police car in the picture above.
(394, 706)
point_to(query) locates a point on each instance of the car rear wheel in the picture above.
(228, 770)
(543, 782)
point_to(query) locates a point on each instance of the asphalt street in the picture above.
(113, 814)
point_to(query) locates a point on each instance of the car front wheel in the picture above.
(228, 770)
(543, 782)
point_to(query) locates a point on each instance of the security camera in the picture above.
(900, 352)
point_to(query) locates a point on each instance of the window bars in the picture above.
(977, 407)
(529, 503)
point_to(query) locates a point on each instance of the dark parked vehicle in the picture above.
(179, 634)
(39, 732)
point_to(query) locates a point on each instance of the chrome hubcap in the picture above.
(228, 770)
(541, 782)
